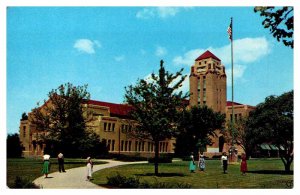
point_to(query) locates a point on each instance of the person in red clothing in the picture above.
(243, 164)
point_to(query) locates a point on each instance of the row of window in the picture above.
(139, 146)
(205, 63)
(204, 90)
(107, 126)
(236, 117)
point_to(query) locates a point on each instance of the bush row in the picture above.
(119, 181)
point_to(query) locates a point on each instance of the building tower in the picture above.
(208, 82)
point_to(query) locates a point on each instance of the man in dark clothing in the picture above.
(60, 158)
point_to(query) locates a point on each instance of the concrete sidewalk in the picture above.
(76, 178)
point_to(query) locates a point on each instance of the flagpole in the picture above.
(232, 94)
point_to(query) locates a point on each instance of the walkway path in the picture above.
(75, 178)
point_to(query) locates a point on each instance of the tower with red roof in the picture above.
(208, 82)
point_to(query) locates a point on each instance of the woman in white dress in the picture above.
(89, 166)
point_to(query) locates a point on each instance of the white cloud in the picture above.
(160, 51)
(86, 45)
(164, 12)
(238, 72)
(246, 50)
(188, 58)
(160, 12)
(146, 13)
(119, 58)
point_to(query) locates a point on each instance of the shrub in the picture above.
(123, 182)
(120, 181)
(21, 183)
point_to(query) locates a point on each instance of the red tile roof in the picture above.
(206, 55)
(115, 109)
(229, 103)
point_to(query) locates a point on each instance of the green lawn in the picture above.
(30, 168)
(263, 173)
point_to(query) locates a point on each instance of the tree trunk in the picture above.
(287, 161)
(156, 157)
(287, 165)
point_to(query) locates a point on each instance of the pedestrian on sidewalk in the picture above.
(224, 162)
(60, 158)
(192, 166)
(243, 163)
(89, 166)
(201, 162)
(46, 165)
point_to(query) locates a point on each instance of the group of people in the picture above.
(224, 163)
(61, 168)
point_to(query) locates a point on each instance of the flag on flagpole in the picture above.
(229, 30)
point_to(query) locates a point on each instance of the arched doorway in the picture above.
(221, 143)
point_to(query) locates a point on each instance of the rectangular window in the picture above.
(108, 144)
(126, 144)
(105, 125)
(140, 146)
(122, 145)
(109, 124)
(113, 145)
(129, 146)
(136, 145)
(143, 146)
(240, 116)
(113, 127)
(235, 117)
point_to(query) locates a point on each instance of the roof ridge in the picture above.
(207, 54)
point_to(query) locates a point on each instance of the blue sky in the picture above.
(109, 48)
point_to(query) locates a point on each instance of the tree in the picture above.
(155, 104)
(242, 136)
(272, 122)
(24, 116)
(197, 127)
(14, 146)
(61, 118)
(280, 21)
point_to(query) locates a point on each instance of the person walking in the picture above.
(243, 164)
(224, 162)
(60, 159)
(89, 166)
(46, 165)
(201, 162)
(192, 166)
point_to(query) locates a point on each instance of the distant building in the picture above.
(111, 122)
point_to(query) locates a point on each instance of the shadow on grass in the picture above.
(277, 172)
(162, 174)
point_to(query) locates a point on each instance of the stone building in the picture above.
(111, 122)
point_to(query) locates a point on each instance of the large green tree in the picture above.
(280, 22)
(13, 146)
(62, 119)
(155, 104)
(197, 127)
(272, 122)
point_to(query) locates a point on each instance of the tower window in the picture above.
(24, 131)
